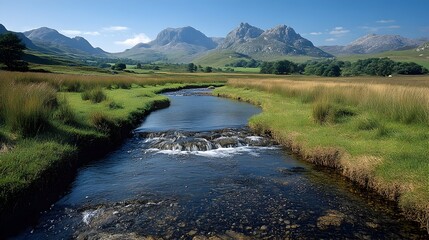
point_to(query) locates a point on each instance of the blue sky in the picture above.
(117, 25)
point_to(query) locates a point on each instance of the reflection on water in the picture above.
(201, 183)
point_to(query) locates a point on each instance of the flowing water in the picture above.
(194, 171)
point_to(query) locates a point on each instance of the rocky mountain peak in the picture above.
(243, 33)
(282, 33)
(42, 33)
(185, 35)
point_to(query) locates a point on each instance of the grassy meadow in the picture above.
(48, 120)
(374, 132)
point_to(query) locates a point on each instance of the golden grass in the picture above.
(406, 104)
(380, 139)
(26, 108)
(78, 83)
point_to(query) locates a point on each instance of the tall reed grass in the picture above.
(26, 108)
(79, 83)
(404, 104)
(95, 95)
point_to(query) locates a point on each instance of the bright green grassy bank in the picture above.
(46, 133)
(379, 153)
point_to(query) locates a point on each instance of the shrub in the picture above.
(95, 95)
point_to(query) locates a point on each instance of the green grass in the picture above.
(26, 108)
(385, 154)
(62, 124)
(245, 70)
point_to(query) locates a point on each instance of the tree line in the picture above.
(336, 68)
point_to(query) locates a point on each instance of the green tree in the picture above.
(267, 68)
(11, 52)
(139, 66)
(208, 69)
(285, 67)
(192, 67)
(119, 66)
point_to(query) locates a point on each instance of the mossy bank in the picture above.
(40, 155)
(347, 127)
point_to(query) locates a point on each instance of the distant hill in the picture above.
(220, 58)
(176, 45)
(278, 42)
(418, 55)
(373, 43)
(28, 43)
(52, 41)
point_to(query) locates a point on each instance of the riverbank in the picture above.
(368, 142)
(38, 162)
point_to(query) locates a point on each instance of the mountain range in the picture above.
(51, 39)
(172, 45)
(278, 41)
(373, 43)
(47, 40)
(187, 44)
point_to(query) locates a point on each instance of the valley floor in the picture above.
(373, 130)
(377, 135)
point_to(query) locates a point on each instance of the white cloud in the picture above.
(95, 33)
(383, 21)
(78, 32)
(316, 33)
(339, 31)
(331, 39)
(115, 28)
(140, 38)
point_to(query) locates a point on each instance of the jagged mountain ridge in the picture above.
(186, 44)
(52, 40)
(172, 45)
(28, 43)
(373, 43)
(281, 40)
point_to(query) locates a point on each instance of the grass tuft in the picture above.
(101, 121)
(27, 108)
(321, 111)
(64, 112)
(114, 105)
(95, 95)
(368, 123)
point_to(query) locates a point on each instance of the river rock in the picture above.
(333, 218)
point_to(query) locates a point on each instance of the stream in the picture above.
(194, 171)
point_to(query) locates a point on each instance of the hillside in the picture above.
(419, 55)
(53, 42)
(175, 45)
(373, 43)
(220, 58)
(275, 43)
(28, 43)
